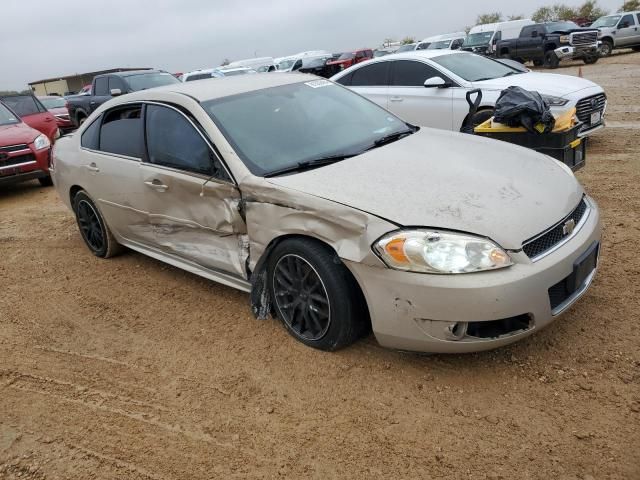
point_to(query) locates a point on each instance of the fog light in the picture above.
(456, 331)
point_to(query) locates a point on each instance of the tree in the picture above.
(591, 10)
(559, 11)
(630, 6)
(408, 40)
(489, 18)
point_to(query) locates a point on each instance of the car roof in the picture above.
(131, 72)
(227, 86)
(422, 54)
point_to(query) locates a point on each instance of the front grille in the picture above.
(589, 105)
(552, 237)
(583, 39)
(17, 160)
(15, 148)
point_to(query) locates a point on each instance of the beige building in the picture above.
(69, 84)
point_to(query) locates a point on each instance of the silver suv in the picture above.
(621, 30)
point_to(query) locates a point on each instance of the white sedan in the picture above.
(429, 87)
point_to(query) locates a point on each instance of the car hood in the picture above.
(17, 134)
(545, 83)
(452, 181)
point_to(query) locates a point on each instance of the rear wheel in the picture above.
(80, 120)
(93, 228)
(314, 295)
(551, 60)
(606, 49)
(481, 117)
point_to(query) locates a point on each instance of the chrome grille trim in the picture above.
(14, 148)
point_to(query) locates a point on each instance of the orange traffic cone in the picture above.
(580, 72)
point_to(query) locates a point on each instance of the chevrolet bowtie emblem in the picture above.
(568, 227)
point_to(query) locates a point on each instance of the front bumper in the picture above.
(423, 313)
(569, 52)
(23, 165)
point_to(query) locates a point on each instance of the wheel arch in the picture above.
(482, 108)
(73, 191)
(549, 46)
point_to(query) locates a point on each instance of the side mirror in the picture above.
(115, 92)
(436, 82)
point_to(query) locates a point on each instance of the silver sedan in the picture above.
(336, 215)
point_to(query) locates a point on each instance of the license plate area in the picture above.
(562, 294)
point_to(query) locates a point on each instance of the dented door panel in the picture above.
(196, 219)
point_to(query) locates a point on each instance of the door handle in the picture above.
(157, 185)
(92, 167)
(396, 99)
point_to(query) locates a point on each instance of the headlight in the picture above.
(565, 38)
(430, 251)
(41, 142)
(555, 101)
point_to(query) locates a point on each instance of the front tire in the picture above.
(606, 49)
(551, 60)
(46, 181)
(93, 228)
(315, 295)
(591, 59)
(538, 63)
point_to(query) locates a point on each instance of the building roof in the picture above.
(88, 74)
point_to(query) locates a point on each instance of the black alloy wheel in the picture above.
(90, 227)
(301, 297)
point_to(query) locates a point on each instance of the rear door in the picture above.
(113, 146)
(413, 102)
(100, 93)
(194, 206)
(371, 81)
(529, 42)
(627, 33)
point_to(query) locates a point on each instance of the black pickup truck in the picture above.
(111, 85)
(548, 43)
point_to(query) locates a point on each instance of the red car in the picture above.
(33, 113)
(58, 107)
(347, 59)
(24, 152)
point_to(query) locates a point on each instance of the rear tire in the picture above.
(606, 49)
(551, 60)
(315, 296)
(93, 228)
(46, 181)
(481, 117)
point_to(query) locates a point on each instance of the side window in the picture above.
(626, 21)
(91, 136)
(456, 44)
(101, 87)
(116, 82)
(173, 142)
(360, 55)
(638, 18)
(376, 74)
(409, 73)
(497, 37)
(121, 132)
(298, 65)
(346, 80)
(527, 32)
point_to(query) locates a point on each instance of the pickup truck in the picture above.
(107, 86)
(548, 43)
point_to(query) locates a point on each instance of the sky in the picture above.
(42, 39)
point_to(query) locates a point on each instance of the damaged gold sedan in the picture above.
(336, 215)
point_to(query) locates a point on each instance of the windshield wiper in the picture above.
(310, 164)
(393, 137)
(508, 74)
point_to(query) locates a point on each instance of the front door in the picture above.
(370, 81)
(413, 102)
(194, 207)
(627, 33)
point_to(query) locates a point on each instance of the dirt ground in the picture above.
(129, 368)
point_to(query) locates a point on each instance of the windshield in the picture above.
(280, 127)
(50, 103)
(144, 81)
(442, 44)
(7, 117)
(406, 48)
(346, 56)
(478, 39)
(610, 21)
(561, 26)
(474, 68)
(286, 64)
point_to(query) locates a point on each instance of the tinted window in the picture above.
(53, 102)
(638, 17)
(116, 82)
(173, 142)
(91, 136)
(628, 19)
(473, 68)
(102, 87)
(408, 73)
(346, 80)
(22, 105)
(526, 31)
(376, 74)
(121, 132)
(198, 76)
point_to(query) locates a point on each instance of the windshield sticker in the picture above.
(318, 83)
